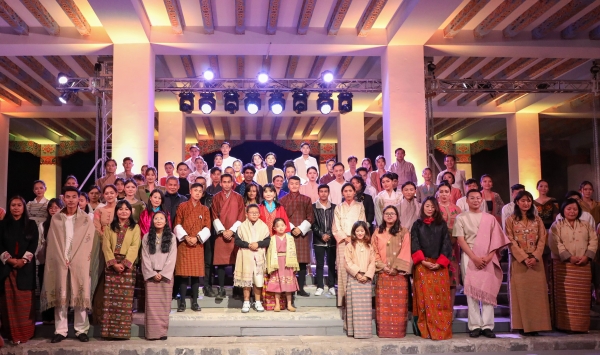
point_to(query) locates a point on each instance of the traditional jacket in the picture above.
(261, 176)
(291, 260)
(159, 262)
(142, 192)
(430, 241)
(18, 240)
(392, 251)
(193, 221)
(247, 260)
(128, 246)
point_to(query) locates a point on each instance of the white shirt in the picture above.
(190, 164)
(228, 162)
(70, 230)
(371, 191)
(467, 225)
(301, 168)
(348, 175)
(585, 217)
(335, 192)
(192, 177)
(464, 206)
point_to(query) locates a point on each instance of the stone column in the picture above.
(50, 170)
(351, 137)
(133, 103)
(403, 98)
(4, 140)
(524, 161)
(171, 138)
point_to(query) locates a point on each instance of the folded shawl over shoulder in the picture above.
(247, 259)
(484, 284)
(291, 260)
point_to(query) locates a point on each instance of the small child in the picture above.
(360, 266)
(282, 264)
(427, 188)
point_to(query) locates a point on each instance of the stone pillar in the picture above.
(171, 138)
(50, 170)
(524, 161)
(403, 98)
(133, 103)
(4, 140)
(351, 137)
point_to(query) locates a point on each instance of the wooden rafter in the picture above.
(366, 67)
(74, 130)
(443, 64)
(54, 128)
(369, 16)
(275, 128)
(9, 84)
(8, 96)
(528, 17)
(242, 123)
(81, 124)
(495, 17)
(226, 128)
(209, 127)
(240, 17)
(188, 66)
(292, 65)
(241, 66)
(308, 6)
(42, 15)
(28, 80)
(214, 65)
(315, 70)
(75, 15)
(207, 16)
(337, 17)
(342, 66)
(273, 16)
(463, 17)
(583, 24)
(310, 126)
(291, 130)
(175, 16)
(13, 19)
(259, 127)
(373, 128)
(560, 17)
(85, 64)
(325, 128)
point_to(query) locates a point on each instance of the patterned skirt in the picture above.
(454, 269)
(118, 302)
(268, 298)
(158, 308)
(432, 303)
(18, 314)
(359, 309)
(391, 305)
(572, 296)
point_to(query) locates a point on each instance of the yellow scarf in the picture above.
(291, 259)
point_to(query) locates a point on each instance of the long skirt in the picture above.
(341, 273)
(391, 305)
(529, 306)
(432, 303)
(572, 296)
(118, 302)
(18, 313)
(268, 298)
(158, 308)
(359, 309)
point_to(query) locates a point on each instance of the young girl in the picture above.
(282, 264)
(218, 160)
(258, 161)
(84, 203)
(237, 170)
(37, 208)
(386, 197)
(130, 193)
(120, 185)
(360, 269)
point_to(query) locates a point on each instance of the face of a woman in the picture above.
(94, 195)
(444, 194)
(54, 209)
(82, 202)
(390, 216)
(280, 227)
(150, 176)
(218, 160)
(524, 203)
(257, 160)
(130, 189)
(408, 192)
(448, 177)
(571, 211)
(16, 208)
(155, 200)
(123, 213)
(39, 189)
(110, 195)
(120, 187)
(380, 164)
(356, 184)
(312, 175)
(487, 183)
(543, 188)
(386, 184)
(71, 182)
(237, 166)
(360, 233)
(252, 192)
(268, 195)
(348, 193)
(429, 208)
(159, 221)
(169, 169)
(366, 164)
(587, 191)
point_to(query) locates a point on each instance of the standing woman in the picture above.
(120, 185)
(251, 195)
(18, 243)
(376, 175)
(547, 207)
(159, 254)
(143, 191)
(386, 197)
(529, 313)
(393, 265)
(258, 161)
(84, 203)
(431, 253)
(237, 171)
(344, 217)
(408, 208)
(492, 200)
(455, 193)
(155, 204)
(130, 195)
(120, 247)
(588, 204)
(573, 244)
(36, 209)
(94, 195)
(366, 199)
(367, 164)
(54, 206)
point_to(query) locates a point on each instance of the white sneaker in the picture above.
(319, 292)
(332, 291)
(258, 306)
(246, 307)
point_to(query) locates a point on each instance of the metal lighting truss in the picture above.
(439, 86)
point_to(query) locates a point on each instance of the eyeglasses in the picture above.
(253, 212)
(389, 214)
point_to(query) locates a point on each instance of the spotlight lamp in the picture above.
(208, 75)
(252, 102)
(300, 101)
(207, 103)
(595, 69)
(325, 103)
(186, 102)
(262, 77)
(345, 102)
(64, 97)
(62, 78)
(231, 100)
(277, 103)
(327, 76)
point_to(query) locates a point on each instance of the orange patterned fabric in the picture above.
(432, 302)
(391, 305)
(190, 259)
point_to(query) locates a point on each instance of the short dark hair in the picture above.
(271, 153)
(126, 159)
(109, 160)
(172, 178)
(252, 205)
(181, 164)
(194, 147)
(397, 149)
(362, 168)
(323, 186)
(226, 143)
(339, 163)
(473, 191)
(409, 183)
(121, 180)
(517, 187)
(303, 144)
(289, 163)
(249, 167)
(214, 169)
(567, 202)
(39, 182)
(573, 193)
(138, 177)
(352, 157)
(449, 173)
(278, 176)
(295, 178)
(387, 176)
(226, 176)
(450, 156)
(170, 163)
(73, 189)
(472, 181)
(285, 167)
(394, 176)
(196, 184)
(330, 160)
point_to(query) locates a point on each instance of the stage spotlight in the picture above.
(62, 78)
(207, 103)
(252, 102)
(186, 102)
(64, 97)
(345, 102)
(300, 101)
(325, 103)
(595, 69)
(208, 75)
(431, 68)
(231, 101)
(327, 76)
(262, 77)
(542, 86)
(277, 103)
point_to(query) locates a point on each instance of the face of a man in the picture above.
(111, 167)
(172, 186)
(329, 166)
(515, 193)
(289, 172)
(225, 149)
(449, 162)
(229, 170)
(248, 175)
(194, 152)
(71, 200)
(278, 182)
(400, 155)
(338, 172)
(323, 194)
(305, 149)
(128, 165)
(353, 163)
(253, 214)
(474, 200)
(216, 176)
(294, 185)
(196, 193)
(226, 183)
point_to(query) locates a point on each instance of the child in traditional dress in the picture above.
(282, 263)
(360, 267)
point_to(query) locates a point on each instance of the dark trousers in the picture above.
(221, 274)
(302, 276)
(182, 284)
(320, 253)
(208, 258)
(47, 315)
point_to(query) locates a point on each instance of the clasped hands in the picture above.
(530, 262)
(481, 262)
(390, 271)
(296, 232)
(119, 268)
(360, 277)
(227, 235)
(579, 260)
(16, 263)
(430, 265)
(191, 241)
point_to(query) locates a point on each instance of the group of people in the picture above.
(138, 236)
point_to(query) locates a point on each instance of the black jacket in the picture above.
(171, 203)
(432, 239)
(26, 236)
(323, 224)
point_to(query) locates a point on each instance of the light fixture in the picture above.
(209, 74)
(64, 97)
(252, 102)
(207, 102)
(327, 76)
(186, 102)
(300, 101)
(595, 69)
(231, 101)
(62, 78)
(345, 102)
(431, 68)
(262, 77)
(277, 103)
(325, 103)
(542, 86)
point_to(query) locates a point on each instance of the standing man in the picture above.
(110, 165)
(248, 172)
(480, 239)
(172, 198)
(265, 176)
(128, 166)
(405, 170)
(191, 162)
(352, 161)
(335, 186)
(227, 212)
(324, 243)
(67, 272)
(215, 177)
(304, 162)
(209, 245)
(300, 213)
(459, 175)
(369, 189)
(227, 159)
(328, 177)
(184, 185)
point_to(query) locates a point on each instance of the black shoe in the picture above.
(163, 338)
(83, 338)
(181, 306)
(302, 293)
(475, 333)
(58, 338)
(196, 307)
(221, 295)
(488, 333)
(208, 291)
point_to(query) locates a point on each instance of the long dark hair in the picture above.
(87, 208)
(162, 200)
(276, 200)
(167, 236)
(46, 224)
(530, 212)
(437, 215)
(274, 223)
(24, 220)
(366, 238)
(258, 197)
(395, 228)
(114, 225)
(363, 185)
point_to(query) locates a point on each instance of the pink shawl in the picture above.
(484, 284)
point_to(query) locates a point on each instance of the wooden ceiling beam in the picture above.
(309, 127)
(28, 80)
(207, 16)
(317, 66)
(85, 64)
(559, 17)
(325, 128)
(75, 15)
(79, 123)
(369, 16)
(188, 66)
(291, 130)
(13, 19)
(495, 17)
(9, 84)
(292, 65)
(342, 66)
(583, 24)
(209, 127)
(528, 17)
(43, 16)
(337, 17)
(463, 17)
(175, 15)
(68, 126)
(240, 17)
(8, 96)
(259, 127)
(366, 67)
(242, 123)
(226, 128)
(241, 66)
(273, 16)
(373, 128)
(54, 128)
(308, 6)
(443, 64)
(275, 128)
